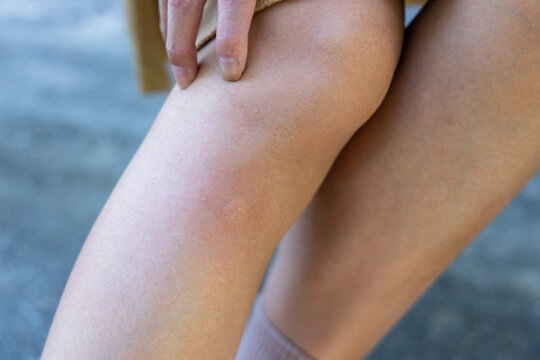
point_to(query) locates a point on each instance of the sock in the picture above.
(263, 341)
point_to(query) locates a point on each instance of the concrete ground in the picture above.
(71, 118)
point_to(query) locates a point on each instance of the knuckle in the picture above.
(231, 30)
(184, 4)
(226, 46)
(230, 45)
(178, 55)
(235, 3)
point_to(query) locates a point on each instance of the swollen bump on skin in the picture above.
(230, 67)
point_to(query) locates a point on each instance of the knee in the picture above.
(356, 51)
(334, 74)
(370, 38)
(300, 99)
(525, 13)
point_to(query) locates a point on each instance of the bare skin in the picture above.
(173, 263)
(454, 141)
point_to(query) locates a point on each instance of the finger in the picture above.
(163, 18)
(234, 20)
(183, 20)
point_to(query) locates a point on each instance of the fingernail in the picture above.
(230, 67)
(183, 76)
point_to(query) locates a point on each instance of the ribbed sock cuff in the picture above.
(263, 341)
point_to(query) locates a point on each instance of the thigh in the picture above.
(316, 71)
(454, 141)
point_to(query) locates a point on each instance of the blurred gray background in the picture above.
(71, 118)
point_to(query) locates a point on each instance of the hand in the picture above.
(179, 25)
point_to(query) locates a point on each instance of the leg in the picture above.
(173, 263)
(452, 144)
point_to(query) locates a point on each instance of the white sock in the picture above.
(263, 341)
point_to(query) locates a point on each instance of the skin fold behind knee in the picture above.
(453, 143)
